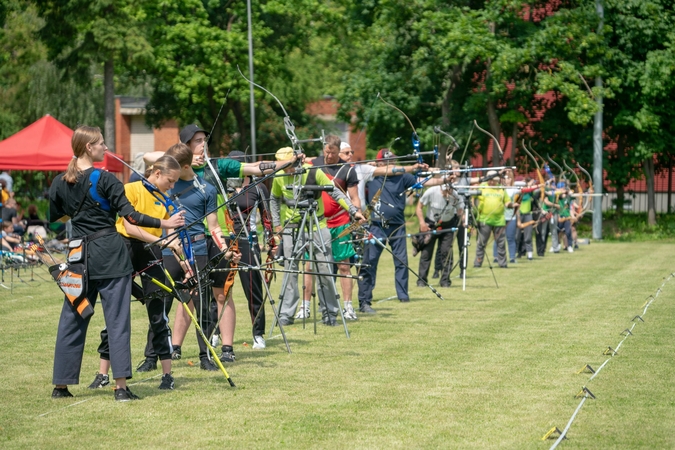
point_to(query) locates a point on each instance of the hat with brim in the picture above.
(284, 154)
(385, 153)
(189, 131)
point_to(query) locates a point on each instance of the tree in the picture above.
(80, 33)
(198, 47)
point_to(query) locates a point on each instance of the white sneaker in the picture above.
(303, 313)
(259, 342)
(349, 313)
(570, 249)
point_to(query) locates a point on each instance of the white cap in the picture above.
(344, 145)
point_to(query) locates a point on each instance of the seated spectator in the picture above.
(9, 239)
(35, 225)
(11, 215)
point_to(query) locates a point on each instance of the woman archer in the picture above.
(93, 199)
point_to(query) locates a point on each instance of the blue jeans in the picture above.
(372, 257)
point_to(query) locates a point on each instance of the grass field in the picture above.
(485, 368)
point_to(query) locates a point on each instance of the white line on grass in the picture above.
(569, 424)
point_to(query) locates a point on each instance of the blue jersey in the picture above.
(393, 186)
(196, 205)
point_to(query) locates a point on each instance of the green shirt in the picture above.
(290, 214)
(526, 203)
(226, 167)
(564, 204)
(491, 206)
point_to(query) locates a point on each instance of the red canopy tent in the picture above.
(44, 145)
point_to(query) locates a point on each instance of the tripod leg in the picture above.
(172, 290)
(485, 249)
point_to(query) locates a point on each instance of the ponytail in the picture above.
(82, 136)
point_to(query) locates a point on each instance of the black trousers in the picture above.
(251, 280)
(443, 252)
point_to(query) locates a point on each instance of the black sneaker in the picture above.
(167, 382)
(446, 283)
(404, 300)
(436, 274)
(330, 321)
(207, 364)
(176, 354)
(61, 393)
(421, 283)
(102, 380)
(367, 309)
(125, 395)
(147, 366)
(227, 355)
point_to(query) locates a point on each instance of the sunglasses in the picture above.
(350, 152)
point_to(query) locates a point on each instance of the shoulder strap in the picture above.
(94, 176)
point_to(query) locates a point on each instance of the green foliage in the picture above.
(20, 49)
(633, 227)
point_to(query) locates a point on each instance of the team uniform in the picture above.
(338, 218)
(491, 205)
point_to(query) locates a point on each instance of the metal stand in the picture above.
(304, 241)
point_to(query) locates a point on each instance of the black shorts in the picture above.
(217, 277)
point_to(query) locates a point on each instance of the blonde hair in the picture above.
(82, 136)
(164, 164)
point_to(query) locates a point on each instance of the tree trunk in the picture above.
(242, 123)
(620, 190)
(620, 199)
(109, 95)
(214, 122)
(455, 76)
(496, 130)
(493, 118)
(670, 183)
(651, 197)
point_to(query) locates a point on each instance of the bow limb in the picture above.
(542, 182)
(580, 190)
(415, 137)
(562, 172)
(496, 141)
(590, 185)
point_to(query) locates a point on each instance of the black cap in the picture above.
(238, 155)
(189, 131)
